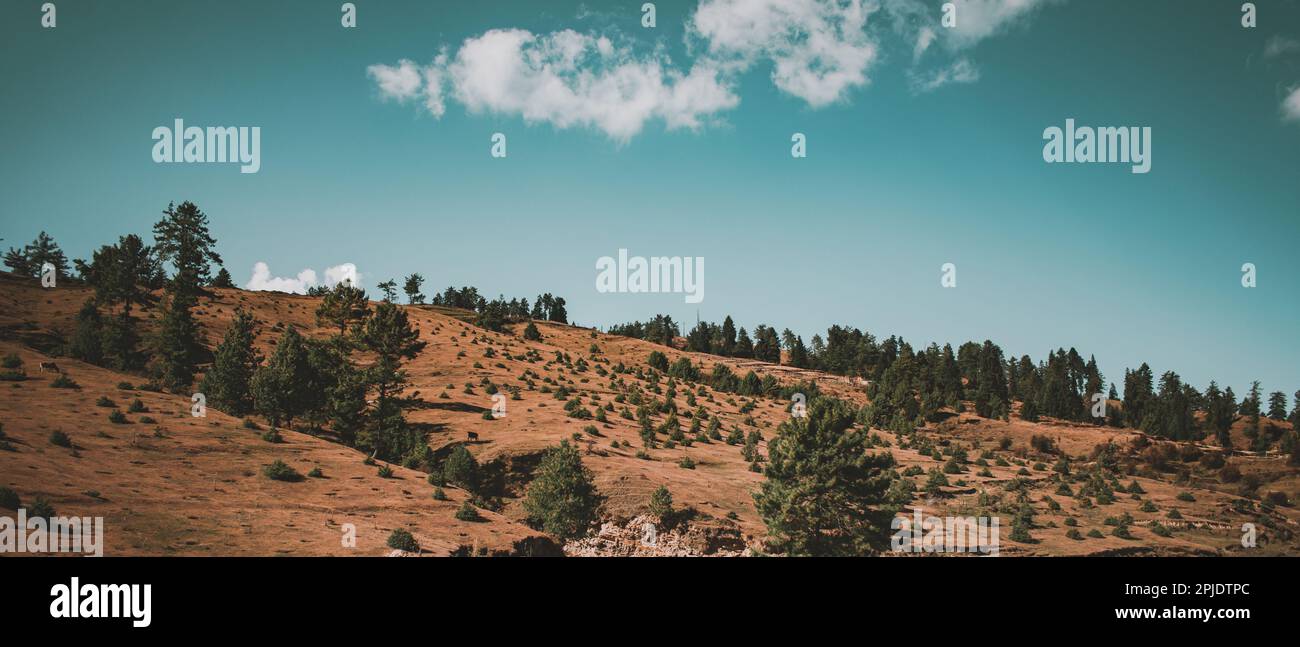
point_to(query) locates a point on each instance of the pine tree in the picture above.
(767, 347)
(661, 503)
(728, 346)
(389, 289)
(283, 387)
(1250, 405)
(1220, 411)
(1013, 380)
(744, 347)
(120, 344)
(949, 378)
(1277, 405)
(1138, 393)
(182, 239)
(799, 354)
(461, 469)
(29, 260)
(824, 493)
(16, 260)
(87, 343)
(699, 340)
(337, 387)
(562, 499)
(174, 349)
(1094, 381)
(991, 396)
(412, 289)
(342, 305)
(1172, 413)
(228, 384)
(223, 279)
(557, 312)
(346, 402)
(122, 273)
(388, 334)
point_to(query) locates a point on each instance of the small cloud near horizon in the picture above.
(263, 281)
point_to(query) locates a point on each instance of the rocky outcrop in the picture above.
(645, 536)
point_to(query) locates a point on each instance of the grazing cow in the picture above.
(473, 435)
(51, 366)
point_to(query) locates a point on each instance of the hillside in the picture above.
(181, 485)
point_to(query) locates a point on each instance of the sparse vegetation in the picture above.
(467, 512)
(279, 471)
(403, 540)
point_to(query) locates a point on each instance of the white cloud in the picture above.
(819, 48)
(346, 272)
(565, 78)
(433, 81)
(263, 281)
(961, 71)
(917, 21)
(407, 81)
(400, 82)
(979, 19)
(1291, 106)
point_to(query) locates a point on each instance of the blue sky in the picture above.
(900, 177)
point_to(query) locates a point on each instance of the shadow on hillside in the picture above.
(448, 406)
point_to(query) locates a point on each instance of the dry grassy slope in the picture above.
(198, 489)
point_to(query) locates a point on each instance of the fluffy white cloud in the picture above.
(1291, 106)
(564, 78)
(571, 79)
(345, 273)
(819, 48)
(407, 81)
(400, 82)
(262, 279)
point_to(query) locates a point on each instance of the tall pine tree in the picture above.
(182, 238)
(389, 335)
(228, 385)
